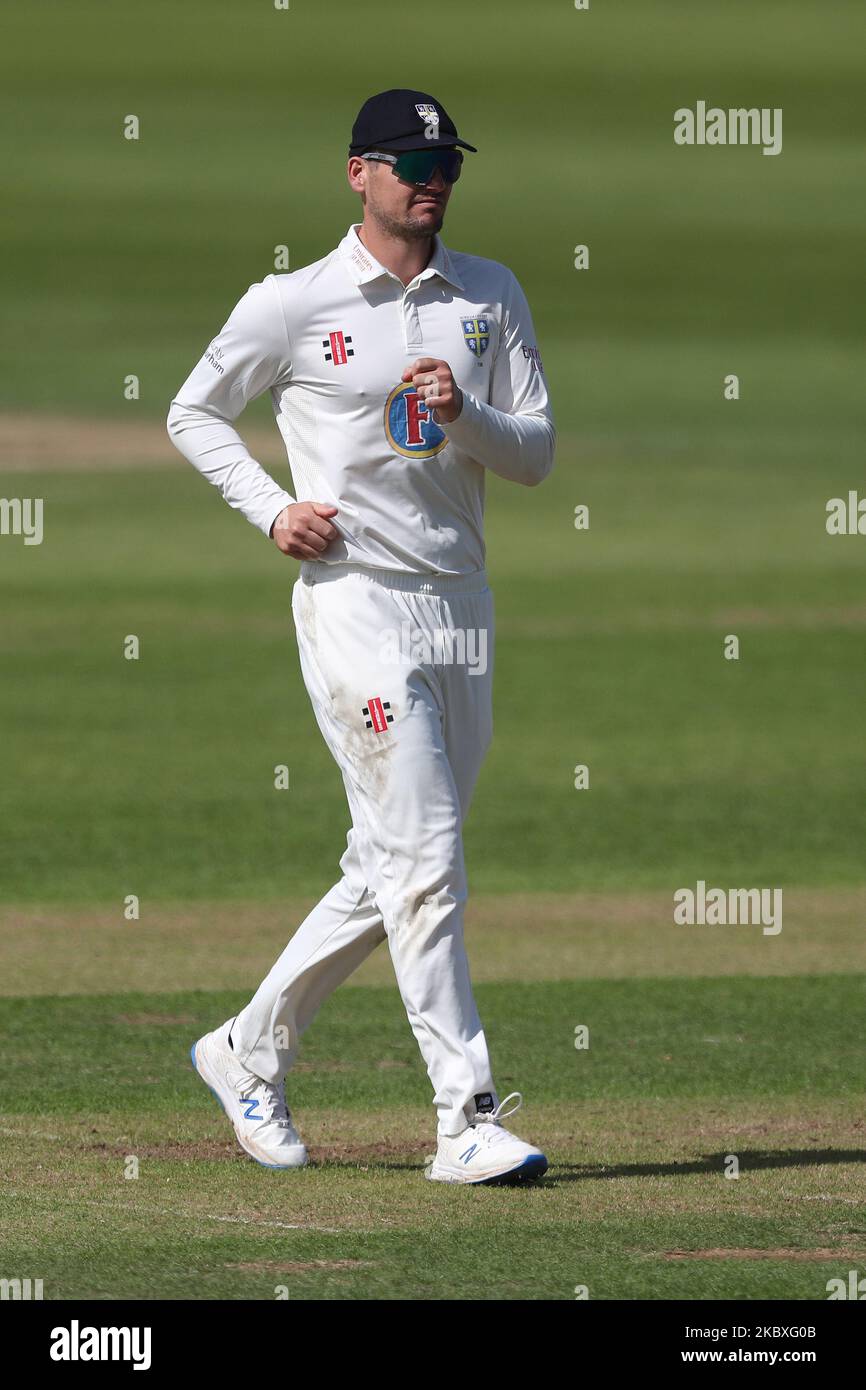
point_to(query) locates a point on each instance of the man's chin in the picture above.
(413, 226)
(425, 223)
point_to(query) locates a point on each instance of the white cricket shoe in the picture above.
(256, 1108)
(486, 1152)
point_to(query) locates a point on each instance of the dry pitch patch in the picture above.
(541, 936)
(35, 443)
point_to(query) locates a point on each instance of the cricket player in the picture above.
(400, 374)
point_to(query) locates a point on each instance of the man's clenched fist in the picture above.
(436, 387)
(303, 529)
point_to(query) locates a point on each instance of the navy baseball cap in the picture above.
(397, 120)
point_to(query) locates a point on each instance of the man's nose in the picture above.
(437, 183)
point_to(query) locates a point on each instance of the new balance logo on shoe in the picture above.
(467, 1153)
(251, 1113)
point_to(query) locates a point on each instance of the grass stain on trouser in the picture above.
(409, 737)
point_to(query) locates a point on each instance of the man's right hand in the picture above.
(303, 530)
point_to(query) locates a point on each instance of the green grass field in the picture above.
(155, 777)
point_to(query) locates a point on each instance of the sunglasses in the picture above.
(419, 166)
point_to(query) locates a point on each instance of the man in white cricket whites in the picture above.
(400, 372)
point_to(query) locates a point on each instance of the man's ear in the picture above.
(356, 173)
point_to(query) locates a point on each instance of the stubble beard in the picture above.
(407, 228)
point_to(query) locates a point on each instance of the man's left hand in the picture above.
(436, 387)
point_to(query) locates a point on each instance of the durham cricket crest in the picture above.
(476, 335)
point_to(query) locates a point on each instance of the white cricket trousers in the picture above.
(399, 671)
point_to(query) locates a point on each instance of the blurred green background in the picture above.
(707, 516)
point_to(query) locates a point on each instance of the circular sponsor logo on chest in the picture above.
(409, 425)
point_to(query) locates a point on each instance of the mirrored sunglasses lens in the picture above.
(419, 166)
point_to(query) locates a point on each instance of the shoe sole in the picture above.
(529, 1170)
(281, 1167)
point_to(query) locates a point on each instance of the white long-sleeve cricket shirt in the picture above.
(330, 342)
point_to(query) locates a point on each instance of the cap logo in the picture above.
(427, 112)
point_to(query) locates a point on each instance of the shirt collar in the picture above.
(363, 266)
